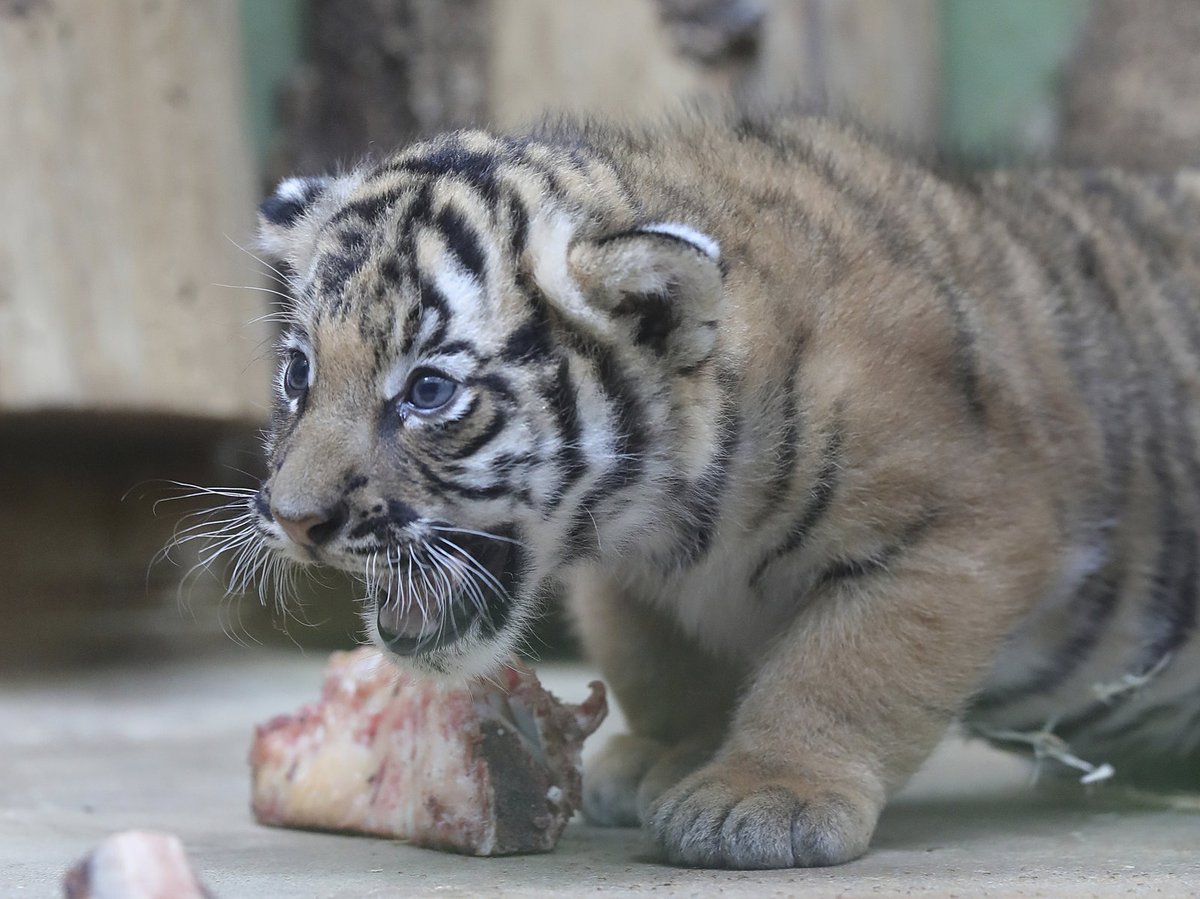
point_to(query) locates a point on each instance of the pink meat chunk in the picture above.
(135, 864)
(489, 769)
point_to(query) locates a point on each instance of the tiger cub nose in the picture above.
(313, 530)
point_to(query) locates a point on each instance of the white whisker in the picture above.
(478, 566)
(485, 534)
(269, 290)
(281, 276)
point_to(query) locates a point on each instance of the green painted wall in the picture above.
(272, 35)
(1000, 63)
(1001, 60)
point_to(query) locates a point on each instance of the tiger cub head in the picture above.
(480, 377)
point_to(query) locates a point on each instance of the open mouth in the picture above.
(439, 591)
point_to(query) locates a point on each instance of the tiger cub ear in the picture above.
(289, 219)
(663, 281)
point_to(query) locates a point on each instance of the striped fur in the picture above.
(828, 448)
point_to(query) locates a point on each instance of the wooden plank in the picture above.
(124, 173)
(878, 61)
(613, 59)
(875, 61)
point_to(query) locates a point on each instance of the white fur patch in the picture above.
(462, 292)
(698, 239)
(549, 241)
(295, 189)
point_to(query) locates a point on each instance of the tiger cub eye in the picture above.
(429, 391)
(295, 378)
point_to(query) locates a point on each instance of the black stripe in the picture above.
(1171, 609)
(655, 317)
(700, 504)
(818, 503)
(280, 212)
(582, 538)
(1136, 723)
(492, 491)
(877, 562)
(369, 209)
(1090, 336)
(463, 241)
(489, 433)
(283, 211)
(495, 383)
(631, 440)
(1092, 609)
(569, 333)
(631, 434)
(412, 326)
(892, 229)
(389, 272)
(956, 298)
(642, 234)
(333, 271)
(777, 489)
(966, 358)
(499, 607)
(1094, 714)
(518, 225)
(431, 302)
(478, 169)
(459, 347)
(528, 343)
(420, 208)
(560, 393)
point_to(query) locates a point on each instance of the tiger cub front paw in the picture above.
(729, 815)
(612, 777)
(624, 779)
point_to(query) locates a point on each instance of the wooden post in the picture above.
(124, 177)
(125, 181)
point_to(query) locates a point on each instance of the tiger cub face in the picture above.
(473, 354)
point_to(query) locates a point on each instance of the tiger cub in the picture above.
(827, 449)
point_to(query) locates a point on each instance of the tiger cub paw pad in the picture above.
(718, 822)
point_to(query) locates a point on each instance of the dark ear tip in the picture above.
(280, 211)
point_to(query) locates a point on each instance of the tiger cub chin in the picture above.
(826, 447)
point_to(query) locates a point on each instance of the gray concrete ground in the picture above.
(162, 745)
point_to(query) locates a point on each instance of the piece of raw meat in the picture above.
(489, 769)
(135, 864)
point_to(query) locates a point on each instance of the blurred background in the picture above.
(138, 136)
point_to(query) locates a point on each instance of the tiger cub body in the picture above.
(828, 449)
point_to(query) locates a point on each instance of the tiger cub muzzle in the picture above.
(429, 583)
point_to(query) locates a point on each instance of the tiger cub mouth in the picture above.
(431, 597)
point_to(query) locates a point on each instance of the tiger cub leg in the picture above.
(676, 700)
(845, 706)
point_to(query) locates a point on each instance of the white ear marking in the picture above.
(290, 217)
(295, 188)
(688, 234)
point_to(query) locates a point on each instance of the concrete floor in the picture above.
(161, 744)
